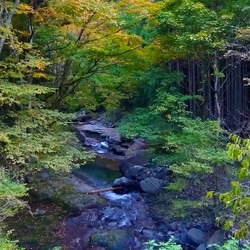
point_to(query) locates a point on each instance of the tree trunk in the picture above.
(8, 22)
(216, 88)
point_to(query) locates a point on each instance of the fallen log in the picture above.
(97, 191)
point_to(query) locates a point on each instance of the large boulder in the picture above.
(217, 238)
(113, 239)
(175, 226)
(110, 134)
(152, 185)
(123, 182)
(137, 159)
(201, 247)
(51, 186)
(138, 172)
(162, 172)
(196, 236)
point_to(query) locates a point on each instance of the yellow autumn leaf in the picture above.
(40, 65)
(25, 8)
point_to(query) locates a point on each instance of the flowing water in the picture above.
(97, 176)
(126, 213)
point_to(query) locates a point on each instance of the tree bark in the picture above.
(97, 191)
(8, 22)
(216, 88)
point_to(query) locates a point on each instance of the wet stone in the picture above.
(112, 239)
(196, 236)
(152, 185)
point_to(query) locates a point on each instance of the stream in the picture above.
(63, 213)
(124, 223)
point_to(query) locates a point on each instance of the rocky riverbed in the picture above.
(113, 221)
(109, 220)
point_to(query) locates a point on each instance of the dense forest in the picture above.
(175, 73)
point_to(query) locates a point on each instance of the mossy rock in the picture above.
(112, 239)
(82, 201)
(55, 189)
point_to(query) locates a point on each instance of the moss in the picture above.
(178, 185)
(182, 208)
(112, 239)
(37, 231)
(170, 206)
(55, 189)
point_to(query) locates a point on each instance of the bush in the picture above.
(170, 245)
(7, 244)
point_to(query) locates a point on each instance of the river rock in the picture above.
(138, 172)
(138, 159)
(201, 247)
(162, 172)
(138, 144)
(111, 134)
(79, 202)
(218, 238)
(80, 116)
(90, 142)
(152, 234)
(118, 150)
(196, 236)
(123, 182)
(81, 136)
(51, 186)
(181, 238)
(175, 226)
(113, 239)
(152, 185)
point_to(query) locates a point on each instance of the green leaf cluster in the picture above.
(169, 245)
(7, 244)
(231, 244)
(11, 193)
(238, 198)
(143, 123)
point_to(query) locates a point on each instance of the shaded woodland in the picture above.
(175, 73)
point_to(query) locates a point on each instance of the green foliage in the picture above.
(231, 244)
(10, 194)
(143, 123)
(169, 245)
(93, 52)
(189, 145)
(189, 28)
(178, 185)
(181, 208)
(32, 137)
(7, 244)
(195, 146)
(39, 138)
(22, 94)
(156, 82)
(87, 54)
(238, 198)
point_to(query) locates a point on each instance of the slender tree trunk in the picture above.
(216, 88)
(8, 22)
